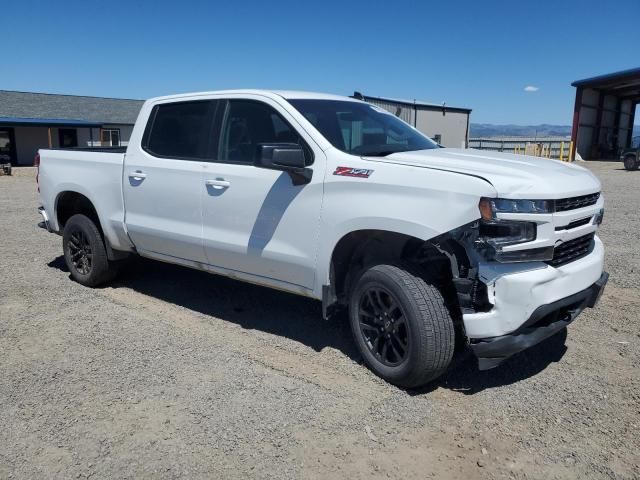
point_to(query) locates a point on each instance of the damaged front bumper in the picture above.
(509, 306)
(516, 290)
(544, 322)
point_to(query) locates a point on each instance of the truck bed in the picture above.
(95, 173)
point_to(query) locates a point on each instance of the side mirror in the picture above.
(285, 156)
(281, 156)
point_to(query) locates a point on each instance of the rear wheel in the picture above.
(631, 162)
(85, 253)
(401, 326)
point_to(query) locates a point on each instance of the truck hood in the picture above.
(514, 176)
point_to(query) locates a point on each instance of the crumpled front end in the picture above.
(527, 271)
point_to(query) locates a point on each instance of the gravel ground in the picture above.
(174, 373)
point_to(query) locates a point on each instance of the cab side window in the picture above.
(246, 124)
(180, 130)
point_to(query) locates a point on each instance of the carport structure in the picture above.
(604, 113)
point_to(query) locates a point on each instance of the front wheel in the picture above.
(85, 253)
(630, 162)
(401, 326)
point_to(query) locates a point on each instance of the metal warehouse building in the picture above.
(449, 126)
(29, 121)
(604, 114)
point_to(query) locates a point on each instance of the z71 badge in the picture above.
(353, 172)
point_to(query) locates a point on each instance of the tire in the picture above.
(417, 328)
(630, 162)
(85, 253)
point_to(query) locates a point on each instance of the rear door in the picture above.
(255, 220)
(163, 181)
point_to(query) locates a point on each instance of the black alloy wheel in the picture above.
(401, 325)
(81, 253)
(383, 326)
(85, 253)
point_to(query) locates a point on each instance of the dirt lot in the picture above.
(174, 373)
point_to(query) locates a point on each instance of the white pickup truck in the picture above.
(432, 250)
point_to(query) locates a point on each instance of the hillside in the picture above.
(543, 130)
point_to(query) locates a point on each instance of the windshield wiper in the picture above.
(384, 153)
(381, 153)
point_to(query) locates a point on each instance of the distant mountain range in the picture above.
(543, 130)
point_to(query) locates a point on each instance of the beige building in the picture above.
(449, 126)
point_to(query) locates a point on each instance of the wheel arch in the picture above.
(363, 247)
(72, 202)
(360, 249)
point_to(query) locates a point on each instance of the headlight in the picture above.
(495, 234)
(498, 233)
(490, 206)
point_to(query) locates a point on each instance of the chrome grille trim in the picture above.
(574, 203)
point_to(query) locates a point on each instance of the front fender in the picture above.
(417, 202)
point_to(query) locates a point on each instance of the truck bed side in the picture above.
(96, 175)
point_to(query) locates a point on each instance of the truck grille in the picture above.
(575, 224)
(572, 203)
(572, 250)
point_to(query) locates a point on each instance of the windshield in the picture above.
(360, 128)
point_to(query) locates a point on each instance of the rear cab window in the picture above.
(180, 130)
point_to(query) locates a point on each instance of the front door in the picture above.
(255, 221)
(163, 182)
(7, 146)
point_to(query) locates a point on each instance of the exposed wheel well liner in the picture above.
(363, 248)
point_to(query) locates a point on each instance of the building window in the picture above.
(67, 137)
(110, 137)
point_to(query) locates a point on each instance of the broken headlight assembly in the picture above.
(495, 234)
(490, 206)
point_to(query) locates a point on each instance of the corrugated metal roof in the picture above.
(97, 110)
(631, 76)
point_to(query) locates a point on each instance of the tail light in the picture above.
(36, 163)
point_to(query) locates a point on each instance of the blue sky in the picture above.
(477, 54)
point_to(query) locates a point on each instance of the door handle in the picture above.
(138, 175)
(218, 183)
